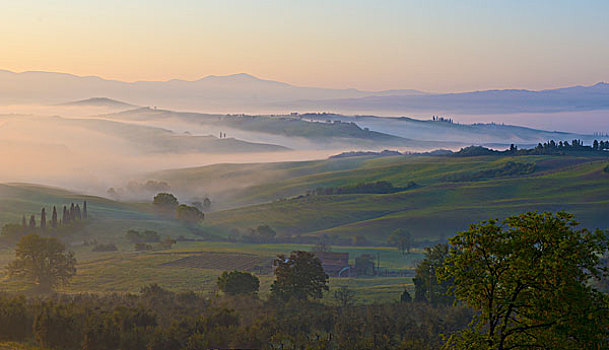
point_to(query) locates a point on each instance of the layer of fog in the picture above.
(37, 146)
(45, 150)
(585, 122)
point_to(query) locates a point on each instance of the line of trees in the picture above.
(70, 220)
(378, 187)
(168, 204)
(547, 148)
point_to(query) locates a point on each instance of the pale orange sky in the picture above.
(433, 46)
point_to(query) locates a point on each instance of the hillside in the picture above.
(429, 130)
(100, 102)
(71, 133)
(451, 193)
(291, 131)
(335, 130)
(109, 220)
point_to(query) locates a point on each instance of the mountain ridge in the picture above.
(243, 92)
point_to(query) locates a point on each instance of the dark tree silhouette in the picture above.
(43, 219)
(65, 217)
(43, 261)
(236, 282)
(54, 218)
(32, 222)
(299, 276)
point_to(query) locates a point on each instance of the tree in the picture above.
(72, 212)
(299, 276)
(84, 210)
(405, 297)
(189, 214)
(528, 277)
(206, 203)
(77, 213)
(266, 232)
(165, 201)
(43, 261)
(401, 239)
(32, 222)
(236, 282)
(427, 287)
(43, 219)
(54, 218)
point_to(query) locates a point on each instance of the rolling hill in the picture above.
(100, 102)
(109, 219)
(334, 131)
(451, 193)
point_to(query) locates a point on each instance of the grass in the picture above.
(438, 208)
(128, 271)
(433, 211)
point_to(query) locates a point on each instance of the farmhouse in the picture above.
(333, 262)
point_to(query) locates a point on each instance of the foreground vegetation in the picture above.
(529, 281)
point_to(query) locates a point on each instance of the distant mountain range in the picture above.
(239, 93)
(576, 98)
(230, 93)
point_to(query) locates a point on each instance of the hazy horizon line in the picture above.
(248, 75)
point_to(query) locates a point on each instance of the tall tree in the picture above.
(65, 217)
(299, 276)
(43, 219)
(54, 218)
(23, 222)
(43, 261)
(528, 277)
(32, 222)
(84, 210)
(77, 213)
(72, 212)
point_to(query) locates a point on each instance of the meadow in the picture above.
(450, 194)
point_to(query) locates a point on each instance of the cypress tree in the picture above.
(32, 221)
(43, 219)
(23, 222)
(77, 212)
(84, 210)
(54, 218)
(65, 218)
(72, 212)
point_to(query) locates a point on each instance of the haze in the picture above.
(432, 46)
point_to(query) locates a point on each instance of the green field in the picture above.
(128, 271)
(450, 194)
(435, 210)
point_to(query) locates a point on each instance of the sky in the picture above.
(370, 45)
